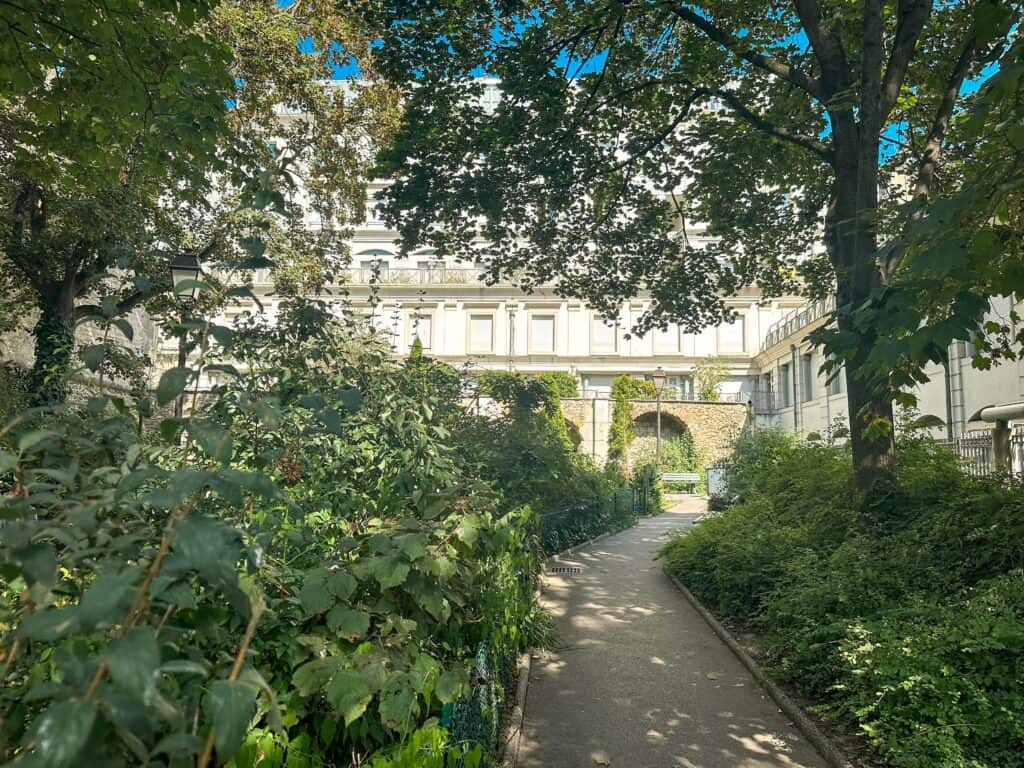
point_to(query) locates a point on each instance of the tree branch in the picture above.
(912, 17)
(777, 67)
(828, 49)
(933, 146)
(819, 148)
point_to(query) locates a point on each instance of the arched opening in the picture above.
(678, 451)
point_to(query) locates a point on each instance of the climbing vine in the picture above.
(624, 390)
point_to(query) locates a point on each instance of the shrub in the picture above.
(302, 572)
(909, 630)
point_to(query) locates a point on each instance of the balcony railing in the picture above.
(414, 275)
(398, 276)
(797, 319)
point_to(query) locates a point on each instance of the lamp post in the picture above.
(659, 385)
(185, 271)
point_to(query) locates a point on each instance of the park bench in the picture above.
(683, 478)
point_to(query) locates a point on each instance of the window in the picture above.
(371, 262)
(421, 326)
(785, 386)
(679, 387)
(542, 333)
(666, 341)
(481, 333)
(807, 377)
(731, 337)
(835, 382)
(602, 335)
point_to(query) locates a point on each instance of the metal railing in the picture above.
(587, 519)
(975, 448)
(797, 319)
(397, 276)
(414, 275)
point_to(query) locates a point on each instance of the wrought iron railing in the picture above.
(398, 276)
(797, 319)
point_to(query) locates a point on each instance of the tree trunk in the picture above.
(852, 241)
(54, 347)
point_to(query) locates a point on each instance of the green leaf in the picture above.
(38, 563)
(93, 356)
(414, 545)
(314, 596)
(389, 572)
(398, 707)
(169, 429)
(49, 624)
(348, 623)
(61, 733)
(231, 706)
(215, 441)
(313, 676)
(30, 440)
(350, 398)
(349, 694)
(125, 327)
(342, 585)
(450, 685)
(469, 529)
(172, 383)
(107, 599)
(134, 660)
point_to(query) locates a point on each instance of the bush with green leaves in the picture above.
(526, 453)
(300, 572)
(906, 624)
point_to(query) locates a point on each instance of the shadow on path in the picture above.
(639, 680)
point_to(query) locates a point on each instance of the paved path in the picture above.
(639, 680)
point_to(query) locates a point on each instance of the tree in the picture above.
(105, 107)
(775, 125)
(165, 132)
(709, 374)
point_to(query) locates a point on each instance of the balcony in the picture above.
(414, 276)
(797, 319)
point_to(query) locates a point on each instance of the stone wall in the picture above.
(714, 426)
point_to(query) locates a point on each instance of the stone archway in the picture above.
(643, 448)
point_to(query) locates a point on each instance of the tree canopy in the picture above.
(133, 131)
(808, 136)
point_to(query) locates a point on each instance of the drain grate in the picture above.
(565, 569)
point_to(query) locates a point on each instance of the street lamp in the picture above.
(658, 377)
(185, 271)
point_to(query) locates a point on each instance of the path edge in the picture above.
(821, 742)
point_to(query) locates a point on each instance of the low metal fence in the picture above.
(592, 517)
(975, 448)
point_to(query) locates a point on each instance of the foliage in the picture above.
(647, 478)
(160, 131)
(301, 572)
(625, 389)
(636, 117)
(709, 373)
(678, 454)
(562, 383)
(525, 451)
(14, 390)
(908, 628)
